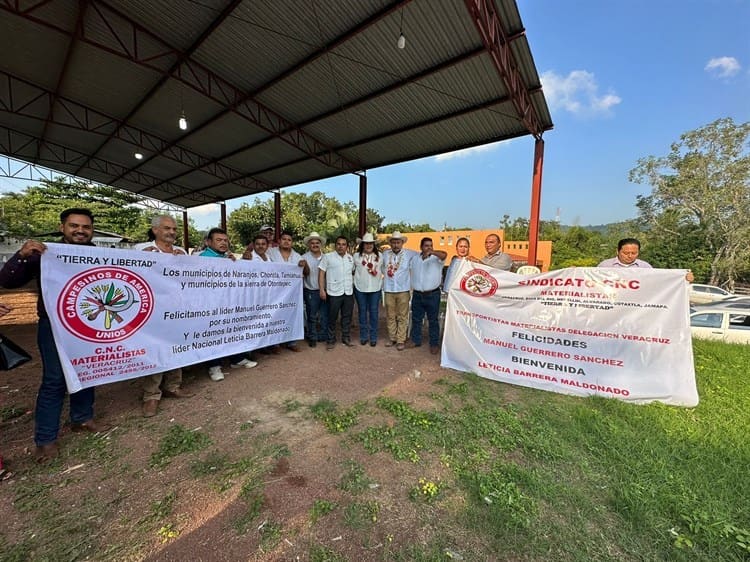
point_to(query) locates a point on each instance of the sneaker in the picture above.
(246, 363)
(216, 374)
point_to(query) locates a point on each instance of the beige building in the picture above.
(446, 241)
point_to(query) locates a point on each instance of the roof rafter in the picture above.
(71, 114)
(82, 5)
(181, 58)
(373, 19)
(157, 54)
(406, 129)
(15, 142)
(350, 105)
(497, 43)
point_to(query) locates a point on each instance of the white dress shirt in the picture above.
(364, 281)
(396, 270)
(339, 270)
(426, 274)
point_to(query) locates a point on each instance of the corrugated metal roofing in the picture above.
(276, 93)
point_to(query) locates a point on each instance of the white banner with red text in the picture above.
(121, 314)
(611, 332)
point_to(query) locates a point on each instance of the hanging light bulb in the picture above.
(401, 43)
(138, 156)
(183, 121)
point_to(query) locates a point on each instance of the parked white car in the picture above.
(721, 323)
(701, 294)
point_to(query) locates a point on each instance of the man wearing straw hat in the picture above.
(396, 285)
(316, 309)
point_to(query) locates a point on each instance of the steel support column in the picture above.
(536, 198)
(362, 205)
(277, 214)
(185, 231)
(223, 210)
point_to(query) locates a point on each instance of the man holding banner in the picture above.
(164, 228)
(77, 227)
(217, 246)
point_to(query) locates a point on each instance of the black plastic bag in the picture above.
(11, 355)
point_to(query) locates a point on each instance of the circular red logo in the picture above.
(478, 283)
(105, 304)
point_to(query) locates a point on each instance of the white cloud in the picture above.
(723, 67)
(578, 93)
(204, 210)
(466, 152)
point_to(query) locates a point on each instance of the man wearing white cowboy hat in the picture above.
(316, 309)
(368, 281)
(396, 284)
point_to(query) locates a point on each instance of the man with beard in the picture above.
(77, 227)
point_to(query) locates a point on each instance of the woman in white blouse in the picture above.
(368, 282)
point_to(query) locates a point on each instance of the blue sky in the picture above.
(623, 80)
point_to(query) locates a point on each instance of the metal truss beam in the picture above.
(23, 98)
(406, 129)
(497, 43)
(20, 170)
(129, 40)
(52, 154)
(354, 103)
(181, 58)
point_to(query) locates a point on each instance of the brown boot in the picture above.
(91, 426)
(150, 407)
(46, 452)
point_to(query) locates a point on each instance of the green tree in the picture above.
(36, 209)
(407, 227)
(702, 187)
(301, 213)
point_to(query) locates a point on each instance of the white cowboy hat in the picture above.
(314, 236)
(368, 237)
(397, 236)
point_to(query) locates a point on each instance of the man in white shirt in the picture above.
(164, 228)
(336, 280)
(315, 308)
(396, 285)
(426, 275)
(284, 253)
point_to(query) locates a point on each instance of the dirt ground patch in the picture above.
(256, 418)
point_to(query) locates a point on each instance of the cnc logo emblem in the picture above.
(105, 304)
(479, 283)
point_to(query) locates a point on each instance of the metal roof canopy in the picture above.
(276, 93)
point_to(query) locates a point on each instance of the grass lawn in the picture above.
(495, 472)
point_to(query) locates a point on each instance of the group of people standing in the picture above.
(403, 278)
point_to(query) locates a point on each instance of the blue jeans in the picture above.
(429, 304)
(49, 399)
(314, 307)
(367, 309)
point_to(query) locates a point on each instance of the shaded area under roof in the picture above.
(275, 93)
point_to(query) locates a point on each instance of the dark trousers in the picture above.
(368, 305)
(425, 304)
(51, 395)
(345, 305)
(316, 310)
